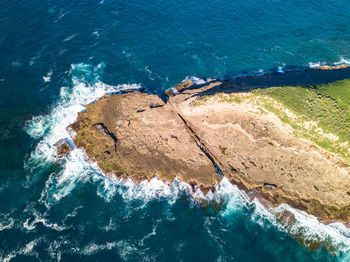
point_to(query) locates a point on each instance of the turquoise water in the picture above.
(58, 55)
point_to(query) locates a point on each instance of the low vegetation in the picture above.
(320, 113)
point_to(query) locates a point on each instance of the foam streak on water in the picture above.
(77, 169)
(342, 61)
(48, 129)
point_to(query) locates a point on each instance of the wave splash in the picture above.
(48, 129)
(341, 61)
(76, 168)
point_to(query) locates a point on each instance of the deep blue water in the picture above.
(56, 55)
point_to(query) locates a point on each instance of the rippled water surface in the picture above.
(57, 56)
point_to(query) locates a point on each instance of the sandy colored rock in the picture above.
(135, 134)
(260, 154)
(138, 135)
(327, 67)
(62, 147)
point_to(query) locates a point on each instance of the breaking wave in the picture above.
(342, 61)
(27, 250)
(76, 169)
(49, 129)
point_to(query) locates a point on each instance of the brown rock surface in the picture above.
(259, 153)
(62, 147)
(327, 67)
(137, 135)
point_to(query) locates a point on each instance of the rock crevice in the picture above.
(202, 146)
(199, 140)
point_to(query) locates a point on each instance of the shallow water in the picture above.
(57, 56)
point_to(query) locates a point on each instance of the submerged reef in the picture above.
(279, 142)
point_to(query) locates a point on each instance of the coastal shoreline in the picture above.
(182, 100)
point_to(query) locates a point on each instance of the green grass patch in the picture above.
(327, 105)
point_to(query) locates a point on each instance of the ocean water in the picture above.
(57, 56)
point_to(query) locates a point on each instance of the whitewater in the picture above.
(77, 169)
(65, 209)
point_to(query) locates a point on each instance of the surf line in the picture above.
(195, 137)
(196, 81)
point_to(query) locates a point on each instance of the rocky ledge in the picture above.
(214, 129)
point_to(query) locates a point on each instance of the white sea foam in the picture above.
(151, 75)
(333, 237)
(153, 233)
(47, 78)
(314, 64)
(264, 218)
(6, 223)
(39, 218)
(145, 190)
(112, 225)
(61, 14)
(50, 128)
(229, 193)
(124, 248)
(341, 61)
(69, 37)
(54, 249)
(26, 250)
(73, 213)
(87, 88)
(280, 69)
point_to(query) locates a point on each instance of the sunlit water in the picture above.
(58, 56)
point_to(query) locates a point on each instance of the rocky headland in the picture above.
(270, 135)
